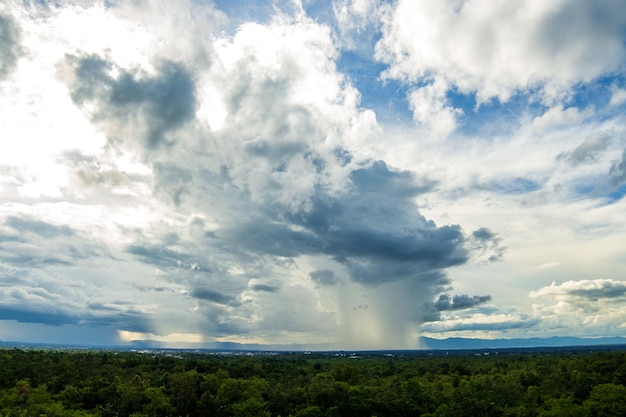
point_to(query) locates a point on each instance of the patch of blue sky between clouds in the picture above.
(386, 97)
(497, 118)
(241, 11)
(493, 118)
(597, 94)
(320, 10)
(617, 194)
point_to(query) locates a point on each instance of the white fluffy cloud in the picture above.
(596, 306)
(496, 50)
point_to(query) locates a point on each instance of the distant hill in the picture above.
(425, 344)
(534, 342)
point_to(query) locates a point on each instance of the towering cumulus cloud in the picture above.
(279, 180)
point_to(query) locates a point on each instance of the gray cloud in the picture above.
(264, 288)
(459, 302)
(378, 179)
(35, 243)
(378, 239)
(515, 323)
(33, 296)
(38, 227)
(483, 235)
(588, 151)
(148, 107)
(25, 315)
(591, 290)
(323, 277)
(213, 296)
(161, 256)
(618, 170)
(607, 291)
(10, 47)
(445, 302)
(485, 245)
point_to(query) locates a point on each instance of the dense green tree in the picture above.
(103, 384)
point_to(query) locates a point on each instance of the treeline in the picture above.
(61, 383)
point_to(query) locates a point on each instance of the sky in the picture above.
(347, 173)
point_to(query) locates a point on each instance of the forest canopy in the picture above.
(113, 383)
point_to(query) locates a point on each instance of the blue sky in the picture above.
(355, 173)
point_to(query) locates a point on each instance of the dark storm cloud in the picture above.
(161, 103)
(323, 277)
(375, 230)
(10, 49)
(38, 227)
(588, 151)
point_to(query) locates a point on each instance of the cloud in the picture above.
(485, 245)
(558, 116)
(281, 178)
(459, 302)
(431, 108)
(618, 97)
(34, 243)
(133, 104)
(212, 296)
(432, 310)
(592, 290)
(592, 307)
(323, 277)
(354, 19)
(589, 150)
(265, 288)
(24, 315)
(618, 170)
(38, 227)
(481, 322)
(498, 51)
(164, 257)
(31, 296)
(10, 45)
(378, 239)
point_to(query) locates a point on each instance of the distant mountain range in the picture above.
(425, 343)
(534, 342)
